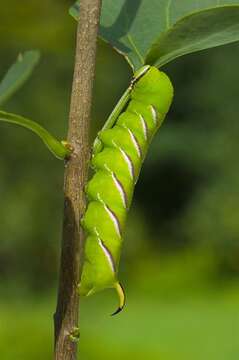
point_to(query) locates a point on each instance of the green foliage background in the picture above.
(180, 263)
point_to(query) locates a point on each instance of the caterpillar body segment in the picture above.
(110, 122)
(117, 165)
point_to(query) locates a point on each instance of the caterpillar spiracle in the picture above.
(117, 163)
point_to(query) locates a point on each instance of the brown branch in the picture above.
(66, 316)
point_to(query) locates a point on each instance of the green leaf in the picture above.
(18, 73)
(199, 31)
(60, 149)
(157, 31)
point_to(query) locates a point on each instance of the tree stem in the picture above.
(76, 171)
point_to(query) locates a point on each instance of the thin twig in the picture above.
(66, 316)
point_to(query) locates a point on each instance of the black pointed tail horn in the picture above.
(121, 293)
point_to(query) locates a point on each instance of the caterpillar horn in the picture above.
(121, 293)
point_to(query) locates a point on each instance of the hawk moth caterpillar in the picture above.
(118, 154)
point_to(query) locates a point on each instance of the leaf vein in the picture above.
(135, 48)
(168, 5)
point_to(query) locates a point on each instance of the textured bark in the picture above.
(66, 316)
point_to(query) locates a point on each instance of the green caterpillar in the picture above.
(118, 154)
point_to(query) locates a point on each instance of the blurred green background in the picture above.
(180, 262)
